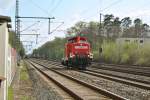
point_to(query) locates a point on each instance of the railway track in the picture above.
(124, 70)
(144, 71)
(78, 89)
(124, 66)
(126, 80)
(115, 65)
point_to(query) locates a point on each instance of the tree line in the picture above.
(16, 43)
(110, 29)
(51, 50)
(113, 27)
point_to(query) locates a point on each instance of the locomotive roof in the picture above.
(74, 38)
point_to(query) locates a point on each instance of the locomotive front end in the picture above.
(78, 53)
(82, 54)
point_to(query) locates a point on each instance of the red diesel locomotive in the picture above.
(77, 53)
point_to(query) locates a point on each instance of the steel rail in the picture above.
(98, 89)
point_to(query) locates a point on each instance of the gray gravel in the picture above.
(130, 92)
(124, 90)
(42, 90)
(138, 77)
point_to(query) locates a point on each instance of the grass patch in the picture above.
(23, 73)
(25, 98)
(10, 93)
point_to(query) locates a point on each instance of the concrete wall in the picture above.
(140, 41)
(12, 64)
(3, 59)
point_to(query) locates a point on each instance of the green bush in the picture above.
(126, 53)
(129, 53)
(52, 49)
(144, 55)
(124, 58)
(109, 52)
(96, 54)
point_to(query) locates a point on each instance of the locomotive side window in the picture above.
(83, 41)
(74, 40)
(71, 41)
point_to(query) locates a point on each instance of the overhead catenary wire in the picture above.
(112, 4)
(52, 2)
(106, 8)
(45, 11)
(56, 6)
(39, 7)
(30, 26)
(57, 27)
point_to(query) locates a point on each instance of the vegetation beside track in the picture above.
(24, 73)
(52, 49)
(10, 93)
(18, 46)
(22, 85)
(126, 54)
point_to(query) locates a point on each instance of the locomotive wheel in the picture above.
(62, 63)
(83, 67)
(68, 67)
(70, 63)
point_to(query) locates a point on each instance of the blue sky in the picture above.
(70, 12)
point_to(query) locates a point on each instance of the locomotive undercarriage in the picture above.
(80, 62)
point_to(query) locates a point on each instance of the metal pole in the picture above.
(49, 21)
(16, 15)
(17, 26)
(100, 23)
(36, 39)
(19, 30)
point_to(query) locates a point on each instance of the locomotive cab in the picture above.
(77, 53)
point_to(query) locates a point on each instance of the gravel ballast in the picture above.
(127, 91)
(138, 77)
(130, 92)
(42, 90)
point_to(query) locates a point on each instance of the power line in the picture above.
(54, 8)
(52, 2)
(45, 11)
(112, 4)
(57, 27)
(48, 18)
(30, 26)
(35, 4)
(109, 6)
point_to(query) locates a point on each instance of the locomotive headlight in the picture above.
(71, 55)
(91, 55)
